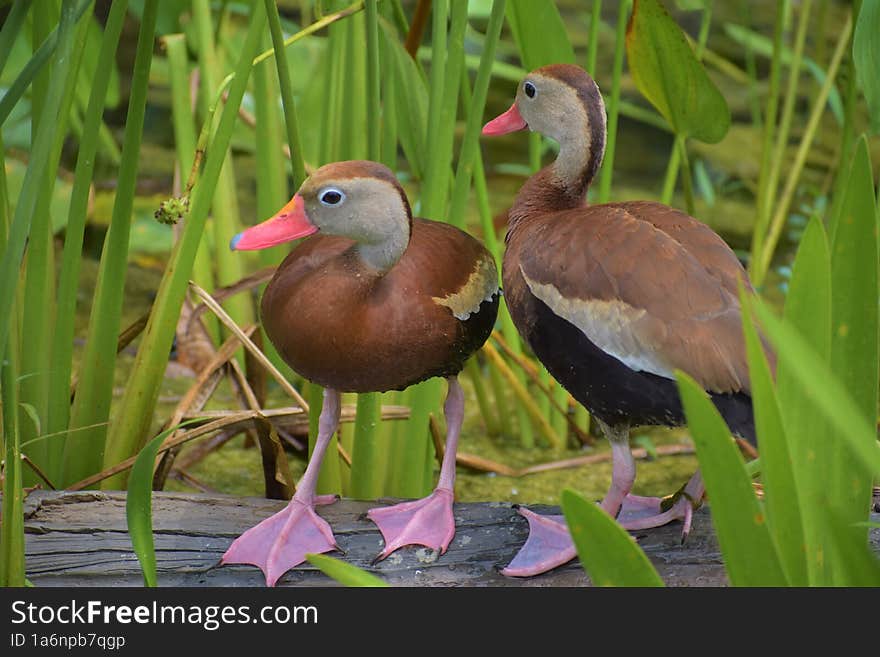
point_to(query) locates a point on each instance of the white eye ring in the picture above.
(331, 196)
(529, 88)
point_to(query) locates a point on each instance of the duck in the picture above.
(374, 300)
(613, 298)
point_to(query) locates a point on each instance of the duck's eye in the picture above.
(331, 196)
(530, 90)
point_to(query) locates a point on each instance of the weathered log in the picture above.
(81, 539)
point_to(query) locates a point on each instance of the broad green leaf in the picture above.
(345, 573)
(855, 563)
(740, 523)
(669, 75)
(808, 310)
(854, 328)
(539, 33)
(781, 495)
(822, 387)
(607, 552)
(866, 57)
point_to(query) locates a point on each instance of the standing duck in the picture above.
(376, 301)
(613, 298)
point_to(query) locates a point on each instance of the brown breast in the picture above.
(341, 325)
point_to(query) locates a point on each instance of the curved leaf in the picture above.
(749, 553)
(343, 572)
(608, 553)
(668, 74)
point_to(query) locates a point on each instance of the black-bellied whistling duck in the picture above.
(377, 301)
(613, 298)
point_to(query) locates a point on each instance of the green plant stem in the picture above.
(44, 148)
(764, 192)
(185, 144)
(680, 146)
(614, 105)
(593, 47)
(367, 471)
(84, 449)
(224, 211)
(290, 119)
(686, 178)
(62, 337)
(775, 229)
(38, 316)
(794, 76)
(374, 109)
(12, 568)
(476, 105)
(130, 426)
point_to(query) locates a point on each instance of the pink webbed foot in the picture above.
(549, 545)
(282, 541)
(638, 512)
(427, 522)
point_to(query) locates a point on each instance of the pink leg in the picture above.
(427, 521)
(283, 540)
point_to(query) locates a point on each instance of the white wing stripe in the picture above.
(607, 324)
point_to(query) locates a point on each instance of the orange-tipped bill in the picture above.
(510, 121)
(290, 223)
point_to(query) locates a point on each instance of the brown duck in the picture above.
(613, 298)
(377, 301)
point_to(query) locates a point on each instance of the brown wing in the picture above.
(657, 296)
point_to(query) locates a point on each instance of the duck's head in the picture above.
(357, 199)
(560, 101)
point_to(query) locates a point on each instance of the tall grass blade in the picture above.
(224, 211)
(749, 553)
(471, 139)
(84, 450)
(290, 119)
(32, 69)
(613, 104)
(131, 424)
(607, 552)
(62, 338)
(39, 276)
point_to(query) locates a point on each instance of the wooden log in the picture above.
(81, 539)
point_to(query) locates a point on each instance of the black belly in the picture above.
(610, 390)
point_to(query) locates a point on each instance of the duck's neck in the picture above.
(563, 184)
(380, 256)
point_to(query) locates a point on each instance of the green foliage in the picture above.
(740, 522)
(539, 33)
(866, 56)
(666, 71)
(345, 573)
(608, 553)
